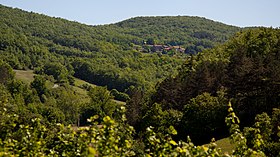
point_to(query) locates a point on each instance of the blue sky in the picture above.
(234, 12)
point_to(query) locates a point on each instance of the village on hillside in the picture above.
(160, 48)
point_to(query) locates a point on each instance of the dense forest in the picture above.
(174, 100)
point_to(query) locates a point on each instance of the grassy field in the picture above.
(225, 145)
(28, 77)
(79, 82)
(25, 76)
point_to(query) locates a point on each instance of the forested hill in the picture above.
(193, 33)
(117, 56)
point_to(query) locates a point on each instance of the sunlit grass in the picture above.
(26, 76)
(79, 82)
(225, 145)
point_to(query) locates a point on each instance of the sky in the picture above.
(242, 13)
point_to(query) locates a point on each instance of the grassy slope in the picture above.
(28, 77)
(225, 145)
(25, 76)
(79, 82)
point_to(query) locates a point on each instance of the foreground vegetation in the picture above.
(112, 138)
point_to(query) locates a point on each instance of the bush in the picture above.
(119, 95)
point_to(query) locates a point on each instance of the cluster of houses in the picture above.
(161, 49)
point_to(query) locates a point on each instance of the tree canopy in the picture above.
(108, 55)
(246, 69)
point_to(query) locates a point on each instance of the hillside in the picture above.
(244, 70)
(192, 33)
(78, 85)
(105, 55)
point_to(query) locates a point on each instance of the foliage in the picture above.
(160, 119)
(70, 103)
(119, 95)
(245, 68)
(108, 138)
(101, 104)
(39, 84)
(204, 113)
(57, 70)
(111, 138)
(6, 72)
(264, 134)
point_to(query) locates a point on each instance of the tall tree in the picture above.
(6, 73)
